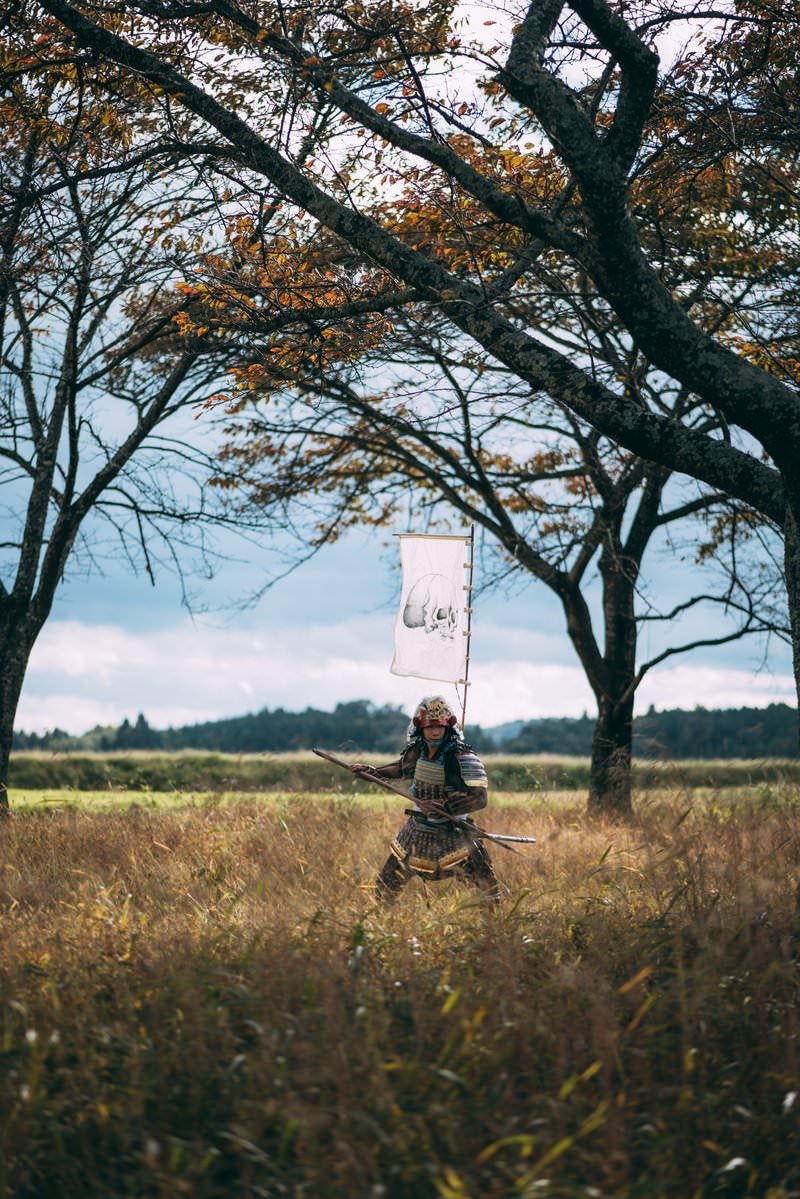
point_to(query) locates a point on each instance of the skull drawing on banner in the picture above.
(432, 605)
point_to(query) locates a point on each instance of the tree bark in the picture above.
(612, 677)
(792, 571)
(16, 643)
(612, 742)
(610, 769)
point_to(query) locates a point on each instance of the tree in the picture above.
(94, 372)
(571, 156)
(563, 504)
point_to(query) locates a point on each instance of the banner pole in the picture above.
(468, 630)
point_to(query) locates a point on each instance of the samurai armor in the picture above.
(429, 780)
(431, 849)
(472, 769)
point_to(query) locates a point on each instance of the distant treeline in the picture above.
(750, 733)
(674, 735)
(358, 725)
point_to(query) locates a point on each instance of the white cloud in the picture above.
(82, 675)
(711, 687)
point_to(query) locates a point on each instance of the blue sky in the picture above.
(116, 646)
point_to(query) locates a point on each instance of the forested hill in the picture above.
(701, 733)
(361, 726)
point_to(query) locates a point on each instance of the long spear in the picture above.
(474, 830)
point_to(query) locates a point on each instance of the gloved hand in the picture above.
(432, 807)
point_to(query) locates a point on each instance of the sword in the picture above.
(484, 832)
(474, 830)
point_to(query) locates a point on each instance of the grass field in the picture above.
(198, 997)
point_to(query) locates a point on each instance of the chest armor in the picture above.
(429, 779)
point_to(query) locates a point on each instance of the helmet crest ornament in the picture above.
(433, 710)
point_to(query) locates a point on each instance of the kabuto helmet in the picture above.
(433, 710)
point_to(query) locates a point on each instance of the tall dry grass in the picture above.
(205, 1002)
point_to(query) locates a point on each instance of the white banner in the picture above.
(430, 639)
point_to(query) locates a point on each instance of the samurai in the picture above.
(449, 782)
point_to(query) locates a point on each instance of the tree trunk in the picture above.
(612, 675)
(612, 742)
(792, 570)
(16, 644)
(610, 769)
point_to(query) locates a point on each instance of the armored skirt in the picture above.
(431, 848)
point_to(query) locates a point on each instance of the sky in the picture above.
(116, 646)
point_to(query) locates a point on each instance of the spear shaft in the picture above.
(474, 830)
(365, 774)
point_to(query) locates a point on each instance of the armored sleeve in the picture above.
(392, 770)
(473, 793)
(403, 768)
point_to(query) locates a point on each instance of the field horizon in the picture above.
(303, 771)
